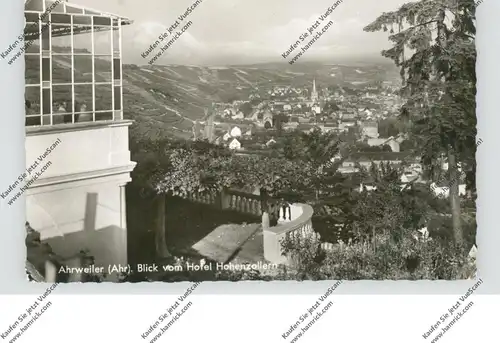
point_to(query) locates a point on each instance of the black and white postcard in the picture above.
(216, 140)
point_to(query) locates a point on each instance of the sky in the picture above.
(249, 31)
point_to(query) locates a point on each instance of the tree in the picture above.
(152, 159)
(246, 108)
(386, 147)
(438, 81)
(327, 190)
(160, 236)
(200, 167)
(408, 145)
(167, 166)
(388, 209)
(279, 120)
(390, 127)
(331, 106)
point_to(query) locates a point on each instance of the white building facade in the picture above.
(74, 105)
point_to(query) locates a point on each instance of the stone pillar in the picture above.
(123, 208)
(272, 246)
(121, 237)
(50, 272)
(75, 262)
(265, 220)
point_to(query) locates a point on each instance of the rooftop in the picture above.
(379, 156)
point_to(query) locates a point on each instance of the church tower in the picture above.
(314, 93)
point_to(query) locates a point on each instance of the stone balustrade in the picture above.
(289, 212)
(204, 198)
(301, 226)
(327, 246)
(241, 202)
(291, 220)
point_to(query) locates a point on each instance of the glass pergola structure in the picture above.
(73, 64)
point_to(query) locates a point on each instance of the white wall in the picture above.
(80, 151)
(85, 217)
(78, 202)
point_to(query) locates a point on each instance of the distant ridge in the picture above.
(166, 100)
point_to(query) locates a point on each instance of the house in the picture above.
(348, 123)
(409, 176)
(444, 192)
(267, 119)
(235, 144)
(79, 201)
(347, 169)
(391, 141)
(415, 167)
(444, 166)
(315, 108)
(305, 127)
(277, 107)
(366, 187)
(235, 132)
(328, 125)
(369, 129)
(348, 116)
(365, 159)
(229, 112)
(226, 137)
(270, 142)
(254, 116)
(342, 127)
(238, 116)
(290, 126)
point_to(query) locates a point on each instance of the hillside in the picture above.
(166, 100)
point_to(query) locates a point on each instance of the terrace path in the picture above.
(227, 241)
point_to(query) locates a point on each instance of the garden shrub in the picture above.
(379, 259)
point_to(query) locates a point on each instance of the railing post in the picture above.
(224, 200)
(263, 200)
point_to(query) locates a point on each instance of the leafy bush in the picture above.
(382, 258)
